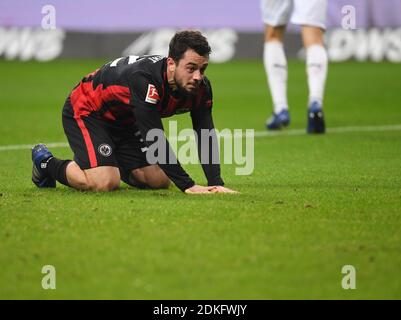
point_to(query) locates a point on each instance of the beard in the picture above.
(185, 91)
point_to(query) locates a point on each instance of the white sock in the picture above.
(316, 69)
(276, 69)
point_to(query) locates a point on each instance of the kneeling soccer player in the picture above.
(109, 113)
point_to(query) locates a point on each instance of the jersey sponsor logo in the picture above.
(105, 150)
(152, 96)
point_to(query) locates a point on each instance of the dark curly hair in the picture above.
(188, 39)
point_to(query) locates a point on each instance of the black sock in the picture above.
(56, 168)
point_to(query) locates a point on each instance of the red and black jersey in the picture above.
(134, 90)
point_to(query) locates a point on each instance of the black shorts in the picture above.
(95, 142)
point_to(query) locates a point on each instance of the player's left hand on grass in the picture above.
(221, 189)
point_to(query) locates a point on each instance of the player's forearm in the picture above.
(208, 151)
(179, 177)
(166, 159)
(212, 173)
(171, 166)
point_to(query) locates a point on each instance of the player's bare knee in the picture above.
(165, 184)
(82, 185)
(156, 178)
(103, 178)
(161, 182)
(312, 36)
(274, 34)
(152, 177)
(105, 184)
(80, 182)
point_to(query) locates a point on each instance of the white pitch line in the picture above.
(293, 132)
(296, 132)
(29, 146)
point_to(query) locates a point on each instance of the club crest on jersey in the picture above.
(105, 150)
(152, 96)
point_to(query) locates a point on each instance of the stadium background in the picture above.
(312, 205)
(234, 28)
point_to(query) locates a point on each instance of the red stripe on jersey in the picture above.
(85, 99)
(121, 113)
(88, 142)
(78, 99)
(119, 93)
(109, 116)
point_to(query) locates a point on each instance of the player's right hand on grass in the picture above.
(200, 189)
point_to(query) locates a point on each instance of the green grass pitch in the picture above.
(312, 205)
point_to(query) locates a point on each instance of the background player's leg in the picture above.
(104, 178)
(316, 62)
(316, 69)
(275, 63)
(149, 177)
(276, 14)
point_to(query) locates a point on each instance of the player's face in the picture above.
(189, 71)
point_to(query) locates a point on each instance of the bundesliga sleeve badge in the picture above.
(152, 96)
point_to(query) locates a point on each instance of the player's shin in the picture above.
(316, 68)
(275, 63)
